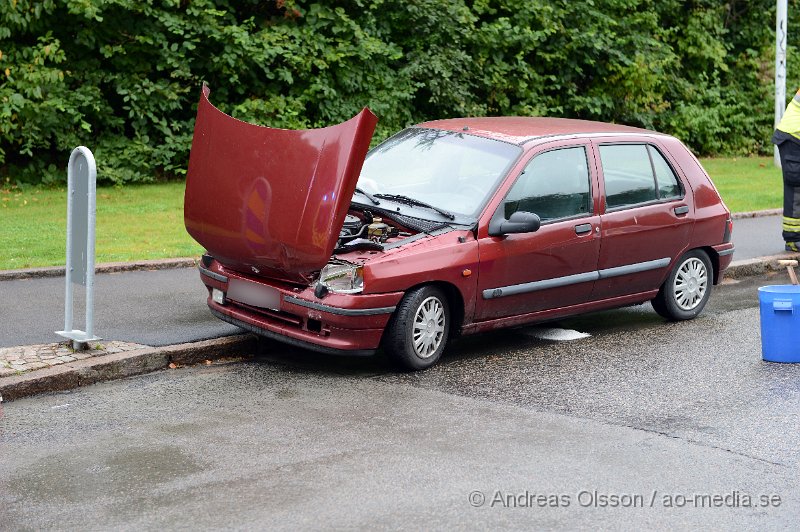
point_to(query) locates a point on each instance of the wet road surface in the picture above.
(642, 424)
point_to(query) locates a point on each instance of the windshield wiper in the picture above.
(415, 202)
(368, 195)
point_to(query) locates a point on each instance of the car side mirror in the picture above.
(518, 222)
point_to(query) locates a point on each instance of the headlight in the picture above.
(342, 278)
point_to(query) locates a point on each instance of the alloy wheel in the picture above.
(691, 283)
(429, 327)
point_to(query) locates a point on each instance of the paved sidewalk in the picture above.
(33, 373)
(156, 308)
(19, 359)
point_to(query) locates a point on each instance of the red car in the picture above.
(450, 227)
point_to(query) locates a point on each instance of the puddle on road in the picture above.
(554, 334)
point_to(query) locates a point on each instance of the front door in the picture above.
(555, 266)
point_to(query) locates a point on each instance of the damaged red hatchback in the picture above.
(451, 227)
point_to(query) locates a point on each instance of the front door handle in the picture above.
(582, 229)
(680, 211)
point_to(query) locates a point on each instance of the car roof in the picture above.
(522, 129)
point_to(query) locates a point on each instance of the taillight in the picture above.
(728, 231)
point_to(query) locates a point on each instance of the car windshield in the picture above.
(452, 171)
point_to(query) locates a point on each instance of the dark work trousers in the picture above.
(790, 162)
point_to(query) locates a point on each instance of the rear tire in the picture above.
(418, 331)
(686, 291)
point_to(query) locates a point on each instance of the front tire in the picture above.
(418, 331)
(686, 291)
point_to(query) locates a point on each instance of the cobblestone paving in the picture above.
(16, 360)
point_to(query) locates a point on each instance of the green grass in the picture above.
(746, 183)
(134, 222)
(146, 221)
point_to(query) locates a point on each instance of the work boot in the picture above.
(792, 246)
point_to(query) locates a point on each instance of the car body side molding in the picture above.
(635, 268)
(511, 290)
(337, 310)
(491, 293)
(214, 275)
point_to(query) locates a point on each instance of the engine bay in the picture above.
(363, 230)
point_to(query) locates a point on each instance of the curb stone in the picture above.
(749, 267)
(15, 360)
(756, 214)
(125, 364)
(106, 267)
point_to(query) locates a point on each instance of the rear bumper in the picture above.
(336, 324)
(725, 254)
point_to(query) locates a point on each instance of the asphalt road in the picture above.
(757, 237)
(613, 427)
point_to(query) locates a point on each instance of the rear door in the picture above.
(647, 220)
(556, 265)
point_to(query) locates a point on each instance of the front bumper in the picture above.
(337, 324)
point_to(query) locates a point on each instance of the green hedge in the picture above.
(123, 76)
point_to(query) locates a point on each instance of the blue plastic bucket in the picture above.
(780, 323)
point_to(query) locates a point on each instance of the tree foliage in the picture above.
(123, 76)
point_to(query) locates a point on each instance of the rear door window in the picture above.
(635, 174)
(668, 185)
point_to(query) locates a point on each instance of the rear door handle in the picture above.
(582, 229)
(680, 211)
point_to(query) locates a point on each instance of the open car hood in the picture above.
(271, 201)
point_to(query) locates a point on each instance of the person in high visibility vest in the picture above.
(787, 138)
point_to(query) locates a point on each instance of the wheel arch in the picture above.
(454, 299)
(456, 302)
(713, 256)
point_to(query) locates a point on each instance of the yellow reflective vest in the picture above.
(790, 123)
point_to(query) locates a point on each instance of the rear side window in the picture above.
(554, 184)
(668, 186)
(636, 173)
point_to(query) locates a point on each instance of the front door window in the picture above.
(554, 185)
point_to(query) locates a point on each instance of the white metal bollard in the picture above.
(81, 211)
